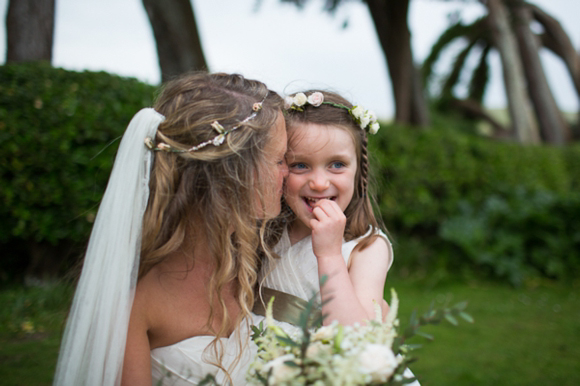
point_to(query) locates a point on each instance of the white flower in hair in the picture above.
(374, 128)
(357, 112)
(364, 120)
(300, 99)
(316, 99)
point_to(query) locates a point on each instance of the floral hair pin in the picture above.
(215, 141)
(366, 119)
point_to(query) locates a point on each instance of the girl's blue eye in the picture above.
(299, 166)
(337, 165)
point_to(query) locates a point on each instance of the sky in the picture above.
(287, 48)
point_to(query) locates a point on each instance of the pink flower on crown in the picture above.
(163, 146)
(149, 142)
(288, 102)
(316, 98)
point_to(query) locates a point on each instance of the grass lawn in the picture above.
(526, 336)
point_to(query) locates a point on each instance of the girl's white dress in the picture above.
(296, 272)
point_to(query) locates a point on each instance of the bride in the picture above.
(167, 284)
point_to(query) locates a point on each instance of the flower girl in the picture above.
(331, 230)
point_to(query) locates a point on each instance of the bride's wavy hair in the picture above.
(359, 213)
(205, 194)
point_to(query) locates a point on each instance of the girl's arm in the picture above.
(351, 294)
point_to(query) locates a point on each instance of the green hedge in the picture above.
(58, 132)
(437, 189)
(454, 202)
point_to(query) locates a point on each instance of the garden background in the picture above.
(474, 214)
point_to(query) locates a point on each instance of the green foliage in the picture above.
(462, 202)
(57, 143)
(522, 233)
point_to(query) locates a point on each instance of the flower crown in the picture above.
(366, 119)
(215, 141)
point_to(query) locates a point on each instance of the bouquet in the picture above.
(370, 354)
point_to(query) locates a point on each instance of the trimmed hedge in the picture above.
(58, 138)
(454, 202)
(57, 144)
(437, 187)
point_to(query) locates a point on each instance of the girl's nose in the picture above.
(318, 181)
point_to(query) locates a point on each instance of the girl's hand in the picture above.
(327, 229)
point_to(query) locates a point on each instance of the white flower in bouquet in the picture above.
(368, 354)
(324, 333)
(378, 361)
(279, 371)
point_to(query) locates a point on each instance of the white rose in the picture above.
(316, 99)
(372, 115)
(374, 128)
(280, 371)
(288, 102)
(324, 333)
(300, 99)
(378, 361)
(364, 121)
(357, 112)
(317, 348)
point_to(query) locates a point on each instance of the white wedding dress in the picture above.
(187, 362)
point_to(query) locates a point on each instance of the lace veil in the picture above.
(93, 345)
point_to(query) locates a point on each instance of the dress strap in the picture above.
(286, 308)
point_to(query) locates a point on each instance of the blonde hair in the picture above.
(359, 213)
(207, 193)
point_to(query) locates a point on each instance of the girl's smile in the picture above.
(322, 164)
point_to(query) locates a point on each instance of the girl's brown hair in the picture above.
(206, 193)
(359, 213)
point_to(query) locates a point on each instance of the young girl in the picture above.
(332, 230)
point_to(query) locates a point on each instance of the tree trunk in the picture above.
(29, 30)
(557, 40)
(553, 127)
(390, 20)
(178, 44)
(518, 103)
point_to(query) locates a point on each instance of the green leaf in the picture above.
(425, 335)
(461, 306)
(287, 341)
(451, 319)
(291, 364)
(466, 317)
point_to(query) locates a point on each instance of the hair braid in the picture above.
(364, 166)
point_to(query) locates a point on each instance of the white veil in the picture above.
(93, 345)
